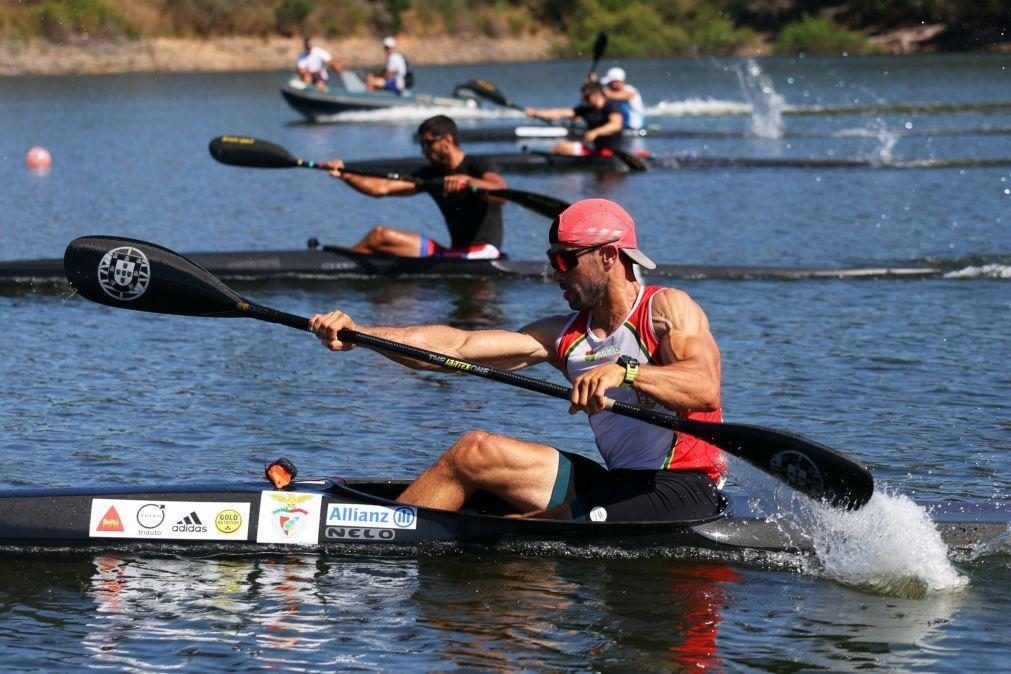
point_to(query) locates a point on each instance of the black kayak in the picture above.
(321, 263)
(338, 515)
(530, 161)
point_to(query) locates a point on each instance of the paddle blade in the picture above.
(599, 46)
(633, 162)
(490, 92)
(809, 467)
(142, 276)
(251, 152)
(542, 204)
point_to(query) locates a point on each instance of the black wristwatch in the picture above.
(631, 366)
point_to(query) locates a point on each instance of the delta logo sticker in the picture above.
(110, 521)
(291, 519)
(194, 520)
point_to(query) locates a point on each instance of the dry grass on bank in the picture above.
(41, 57)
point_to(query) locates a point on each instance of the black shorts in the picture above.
(595, 493)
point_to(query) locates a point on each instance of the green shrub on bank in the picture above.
(820, 36)
(652, 28)
(60, 19)
(635, 27)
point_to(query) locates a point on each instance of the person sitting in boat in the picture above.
(474, 221)
(633, 110)
(312, 65)
(601, 115)
(394, 76)
(645, 345)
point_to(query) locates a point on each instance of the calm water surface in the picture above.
(909, 377)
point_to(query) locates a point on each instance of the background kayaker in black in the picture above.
(474, 221)
(601, 115)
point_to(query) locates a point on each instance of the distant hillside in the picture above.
(635, 27)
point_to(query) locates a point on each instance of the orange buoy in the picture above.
(38, 159)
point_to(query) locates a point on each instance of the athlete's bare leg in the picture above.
(520, 473)
(389, 241)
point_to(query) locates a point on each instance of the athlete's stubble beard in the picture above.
(587, 294)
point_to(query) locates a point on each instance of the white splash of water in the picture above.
(412, 113)
(890, 546)
(767, 105)
(982, 271)
(698, 107)
(886, 141)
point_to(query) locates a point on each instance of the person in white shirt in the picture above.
(312, 65)
(394, 74)
(633, 110)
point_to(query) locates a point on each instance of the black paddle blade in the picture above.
(633, 162)
(809, 467)
(541, 204)
(599, 46)
(142, 276)
(489, 91)
(251, 152)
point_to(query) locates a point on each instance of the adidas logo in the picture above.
(190, 524)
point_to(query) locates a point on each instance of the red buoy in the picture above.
(38, 159)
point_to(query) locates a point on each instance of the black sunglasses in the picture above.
(566, 259)
(429, 142)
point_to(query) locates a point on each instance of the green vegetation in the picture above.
(820, 36)
(635, 27)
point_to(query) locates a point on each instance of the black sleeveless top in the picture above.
(471, 220)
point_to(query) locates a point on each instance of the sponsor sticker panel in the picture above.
(289, 518)
(179, 520)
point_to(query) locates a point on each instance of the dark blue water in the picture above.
(907, 376)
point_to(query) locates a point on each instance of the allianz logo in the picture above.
(375, 517)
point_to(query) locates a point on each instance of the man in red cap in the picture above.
(639, 344)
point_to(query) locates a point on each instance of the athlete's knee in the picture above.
(474, 453)
(378, 236)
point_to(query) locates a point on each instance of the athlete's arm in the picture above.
(619, 94)
(614, 125)
(370, 185)
(688, 376)
(489, 180)
(550, 114)
(531, 345)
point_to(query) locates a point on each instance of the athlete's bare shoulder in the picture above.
(675, 312)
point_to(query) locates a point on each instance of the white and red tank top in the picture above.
(627, 443)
